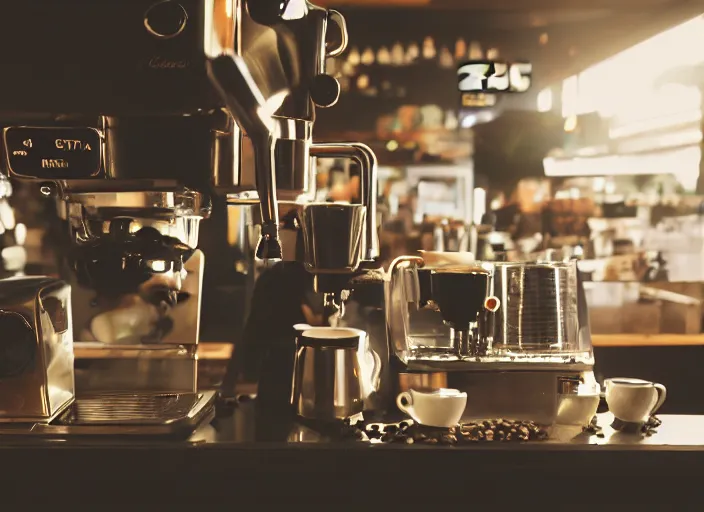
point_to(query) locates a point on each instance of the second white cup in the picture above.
(438, 408)
(634, 400)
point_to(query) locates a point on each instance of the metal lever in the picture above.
(254, 115)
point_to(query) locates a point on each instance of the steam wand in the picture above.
(245, 102)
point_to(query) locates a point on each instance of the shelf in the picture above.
(647, 340)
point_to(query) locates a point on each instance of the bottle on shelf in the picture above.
(354, 58)
(397, 55)
(460, 49)
(383, 56)
(446, 60)
(412, 53)
(429, 51)
(475, 51)
(368, 56)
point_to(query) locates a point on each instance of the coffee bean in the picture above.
(391, 429)
(501, 435)
(489, 434)
(410, 440)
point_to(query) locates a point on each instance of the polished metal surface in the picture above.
(335, 373)
(36, 349)
(332, 237)
(114, 416)
(126, 409)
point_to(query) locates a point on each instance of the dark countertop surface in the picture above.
(236, 460)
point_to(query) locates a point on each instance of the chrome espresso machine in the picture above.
(137, 115)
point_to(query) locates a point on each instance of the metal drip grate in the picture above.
(131, 409)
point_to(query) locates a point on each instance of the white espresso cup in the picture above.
(438, 408)
(634, 400)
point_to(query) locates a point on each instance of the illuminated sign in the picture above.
(486, 76)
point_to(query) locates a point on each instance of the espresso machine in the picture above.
(131, 130)
(514, 335)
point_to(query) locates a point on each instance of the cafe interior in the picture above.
(468, 231)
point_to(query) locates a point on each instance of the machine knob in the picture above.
(18, 344)
(165, 19)
(325, 91)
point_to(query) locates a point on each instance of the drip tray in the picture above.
(128, 415)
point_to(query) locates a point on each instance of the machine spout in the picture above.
(254, 115)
